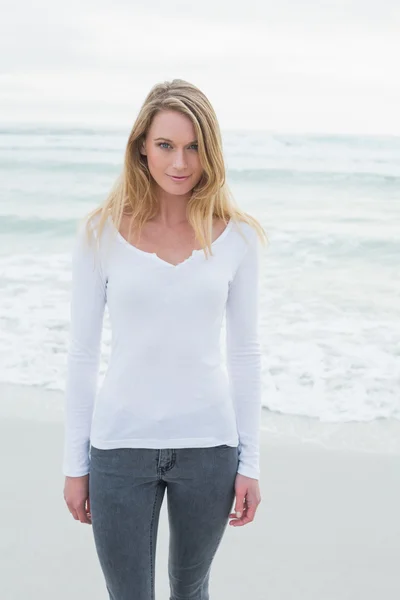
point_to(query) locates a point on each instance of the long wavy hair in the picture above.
(133, 193)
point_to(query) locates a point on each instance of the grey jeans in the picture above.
(126, 491)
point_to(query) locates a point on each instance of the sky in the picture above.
(293, 66)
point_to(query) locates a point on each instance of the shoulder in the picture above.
(246, 233)
(94, 228)
(246, 246)
(88, 242)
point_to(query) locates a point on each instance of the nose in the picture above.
(179, 160)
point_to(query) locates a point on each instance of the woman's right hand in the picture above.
(76, 495)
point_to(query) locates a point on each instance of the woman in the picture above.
(173, 256)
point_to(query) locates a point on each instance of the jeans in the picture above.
(126, 491)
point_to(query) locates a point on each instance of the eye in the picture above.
(196, 146)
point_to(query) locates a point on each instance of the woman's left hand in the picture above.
(248, 498)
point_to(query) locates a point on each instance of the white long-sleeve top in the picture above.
(166, 385)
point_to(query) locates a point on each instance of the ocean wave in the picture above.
(241, 175)
(312, 176)
(35, 225)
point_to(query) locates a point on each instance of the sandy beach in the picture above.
(327, 527)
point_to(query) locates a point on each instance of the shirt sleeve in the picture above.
(87, 304)
(243, 351)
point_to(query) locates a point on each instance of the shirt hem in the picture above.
(162, 444)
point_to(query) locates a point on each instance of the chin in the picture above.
(181, 192)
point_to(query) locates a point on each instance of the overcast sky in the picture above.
(288, 66)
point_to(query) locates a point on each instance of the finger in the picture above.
(244, 519)
(247, 516)
(74, 514)
(236, 519)
(237, 509)
(233, 515)
(239, 504)
(82, 515)
(240, 522)
(251, 511)
(88, 512)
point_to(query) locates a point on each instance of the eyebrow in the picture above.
(167, 140)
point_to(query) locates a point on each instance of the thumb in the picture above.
(239, 504)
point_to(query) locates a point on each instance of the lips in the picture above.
(179, 178)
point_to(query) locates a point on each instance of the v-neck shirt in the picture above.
(167, 384)
(155, 256)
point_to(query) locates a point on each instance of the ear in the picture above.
(143, 149)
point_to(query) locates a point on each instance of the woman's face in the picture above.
(171, 149)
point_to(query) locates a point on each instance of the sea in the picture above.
(330, 278)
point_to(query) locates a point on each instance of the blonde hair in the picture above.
(133, 192)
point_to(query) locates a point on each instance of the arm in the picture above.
(244, 355)
(88, 298)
